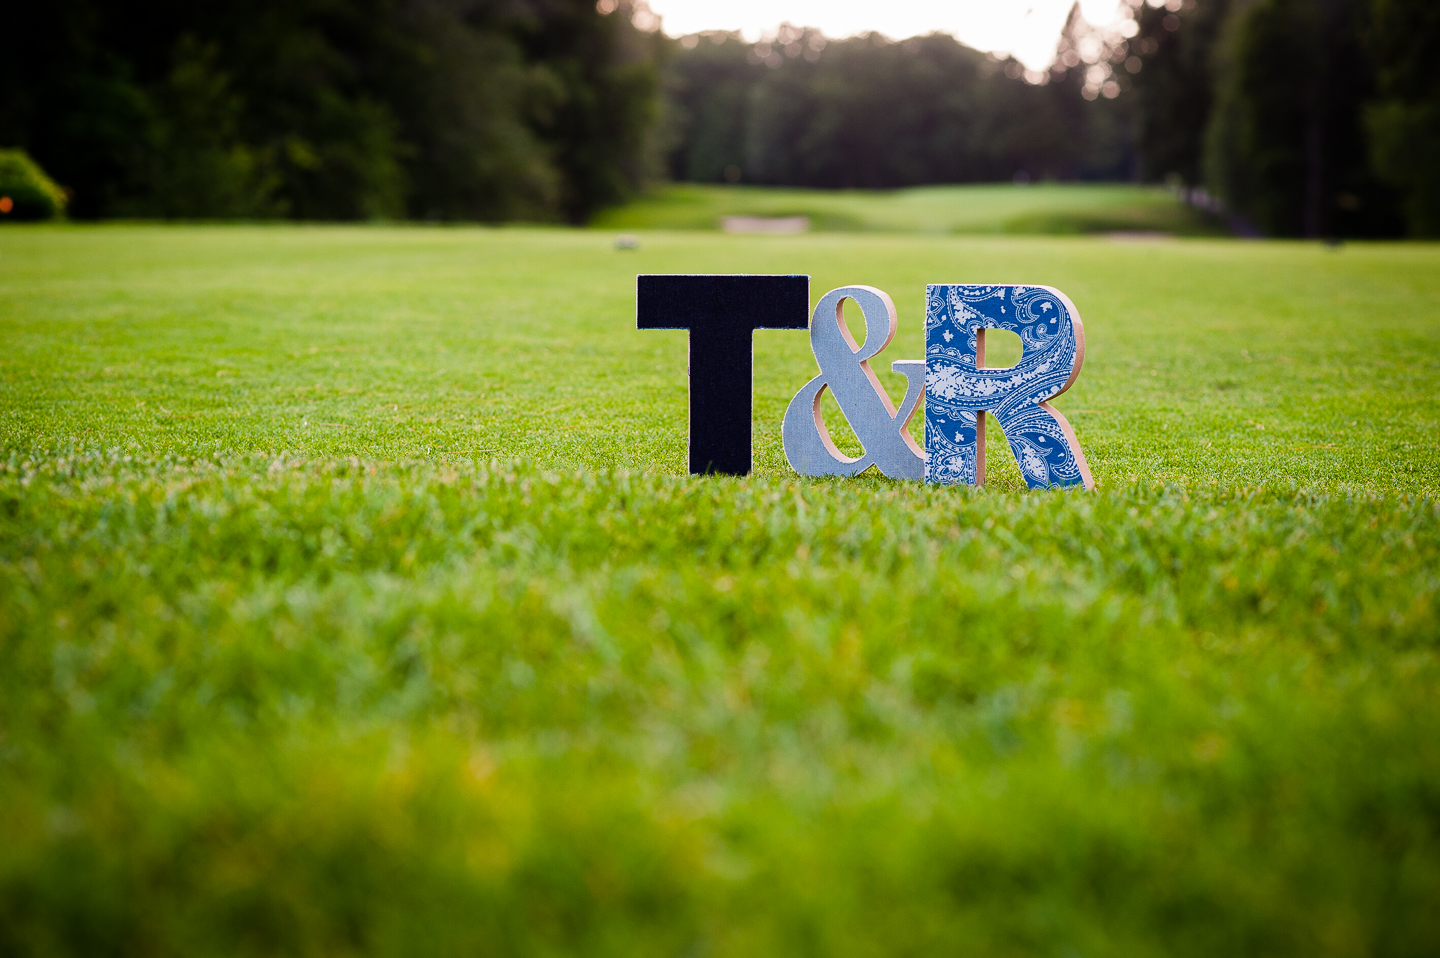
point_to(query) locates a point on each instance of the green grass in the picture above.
(353, 600)
(1044, 208)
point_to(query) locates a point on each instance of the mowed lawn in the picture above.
(354, 600)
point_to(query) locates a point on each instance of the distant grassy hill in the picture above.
(1047, 208)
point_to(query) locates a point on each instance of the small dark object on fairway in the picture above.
(721, 313)
(627, 242)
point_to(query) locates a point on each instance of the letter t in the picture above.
(721, 312)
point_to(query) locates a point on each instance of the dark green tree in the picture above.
(1286, 143)
(707, 92)
(1404, 119)
(1173, 79)
(597, 100)
(1090, 106)
(332, 109)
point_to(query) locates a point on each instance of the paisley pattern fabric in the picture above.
(956, 388)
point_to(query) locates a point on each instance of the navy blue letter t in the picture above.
(721, 312)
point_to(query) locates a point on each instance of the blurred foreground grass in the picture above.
(1041, 208)
(299, 659)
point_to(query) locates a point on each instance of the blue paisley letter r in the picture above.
(960, 389)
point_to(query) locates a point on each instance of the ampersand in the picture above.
(960, 389)
(845, 371)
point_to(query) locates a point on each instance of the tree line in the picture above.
(1303, 117)
(1308, 117)
(332, 109)
(866, 112)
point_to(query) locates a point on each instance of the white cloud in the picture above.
(1026, 28)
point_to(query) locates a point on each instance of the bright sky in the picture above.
(1026, 28)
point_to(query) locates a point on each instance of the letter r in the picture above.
(960, 389)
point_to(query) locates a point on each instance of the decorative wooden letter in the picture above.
(721, 312)
(845, 371)
(959, 389)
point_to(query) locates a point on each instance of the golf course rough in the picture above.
(354, 599)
